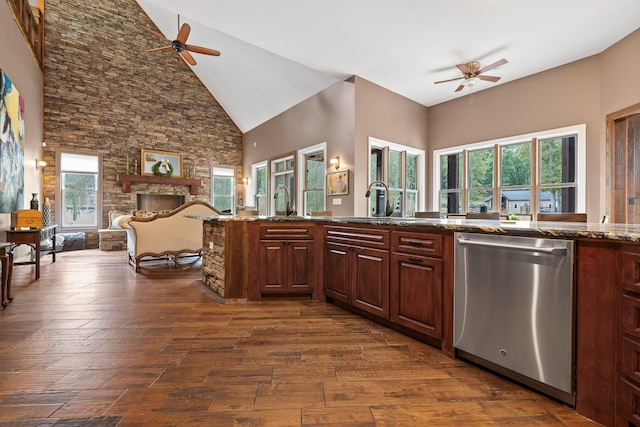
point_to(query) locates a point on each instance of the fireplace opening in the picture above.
(158, 202)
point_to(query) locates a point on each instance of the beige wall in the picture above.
(584, 91)
(21, 67)
(385, 115)
(325, 117)
(343, 116)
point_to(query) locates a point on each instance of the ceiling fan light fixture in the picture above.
(470, 82)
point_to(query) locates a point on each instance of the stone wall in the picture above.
(213, 259)
(104, 93)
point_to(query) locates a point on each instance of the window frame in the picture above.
(273, 176)
(578, 130)
(221, 171)
(386, 147)
(253, 193)
(59, 202)
(302, 176)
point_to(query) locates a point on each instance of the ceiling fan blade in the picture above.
(450, 80)
(160, 49)
(155, 33)
(187, 57)
(488, 78)
(203, 50)
(459, 88)
(183, 34)
(492, 66)
(463, 67)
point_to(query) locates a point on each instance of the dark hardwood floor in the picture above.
(92, 343)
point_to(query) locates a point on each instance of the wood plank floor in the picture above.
(92, 343)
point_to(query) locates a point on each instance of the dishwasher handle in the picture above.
(546, 250)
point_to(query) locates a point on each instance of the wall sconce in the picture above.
(245, 180)
(335, 162)
(40, 163)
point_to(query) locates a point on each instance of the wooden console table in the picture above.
(6, 258)
(32, 238)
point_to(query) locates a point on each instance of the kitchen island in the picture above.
(399, 272)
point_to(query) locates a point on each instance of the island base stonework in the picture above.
(213, 256)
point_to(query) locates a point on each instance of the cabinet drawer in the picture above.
(367, 237)
(631, 316)
(629, 402)
(417, 243)
(629, 270)
(286, 231)
(630, 358)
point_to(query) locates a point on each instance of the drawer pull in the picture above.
(415, 260)
(415, 243)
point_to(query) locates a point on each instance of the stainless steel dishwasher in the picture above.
(514, 309)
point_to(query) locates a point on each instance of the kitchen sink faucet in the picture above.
(388, 210)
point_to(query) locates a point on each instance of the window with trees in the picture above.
(259, 187)
(283, 188)
(541, 172)
(312, 182)
(400, 168)
(79, 201)
(223, 188)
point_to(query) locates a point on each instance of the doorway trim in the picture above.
(611, 118)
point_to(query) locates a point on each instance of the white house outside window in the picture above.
(499, 175)
(79, 204)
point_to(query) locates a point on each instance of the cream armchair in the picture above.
(170, 233)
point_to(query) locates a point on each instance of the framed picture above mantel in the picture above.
(161, 163)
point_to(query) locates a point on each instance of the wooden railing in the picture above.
(32, 26)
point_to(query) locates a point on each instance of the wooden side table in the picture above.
(6, 259)
(32, 238)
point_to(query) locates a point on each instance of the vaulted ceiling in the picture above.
(277, 53)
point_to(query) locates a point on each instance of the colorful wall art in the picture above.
(11, 146)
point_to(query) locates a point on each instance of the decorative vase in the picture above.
(34, 201)
(46, 213)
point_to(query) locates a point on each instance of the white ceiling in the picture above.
(277, 53)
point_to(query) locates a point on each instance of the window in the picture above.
(223, 188)
(283, 185)
(466, 176)
(312, 178)
(79, 203)
(481, 164)
(259, 187)
(399, 167)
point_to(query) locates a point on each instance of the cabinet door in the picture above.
(299, 266)
(272, 269)
(336, 272)
(370, 280)
(416, 293)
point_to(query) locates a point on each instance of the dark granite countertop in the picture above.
(571, 230)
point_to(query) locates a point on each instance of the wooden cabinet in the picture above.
(286, 266)
(286, 261)
(416, 282)
(628, 354)
(357, 268)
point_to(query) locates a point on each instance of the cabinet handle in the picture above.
(414, 243)
(415, 260)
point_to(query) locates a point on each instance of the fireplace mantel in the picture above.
(126, 180)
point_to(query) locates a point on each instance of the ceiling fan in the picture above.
(180, 44)
(472, 73)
